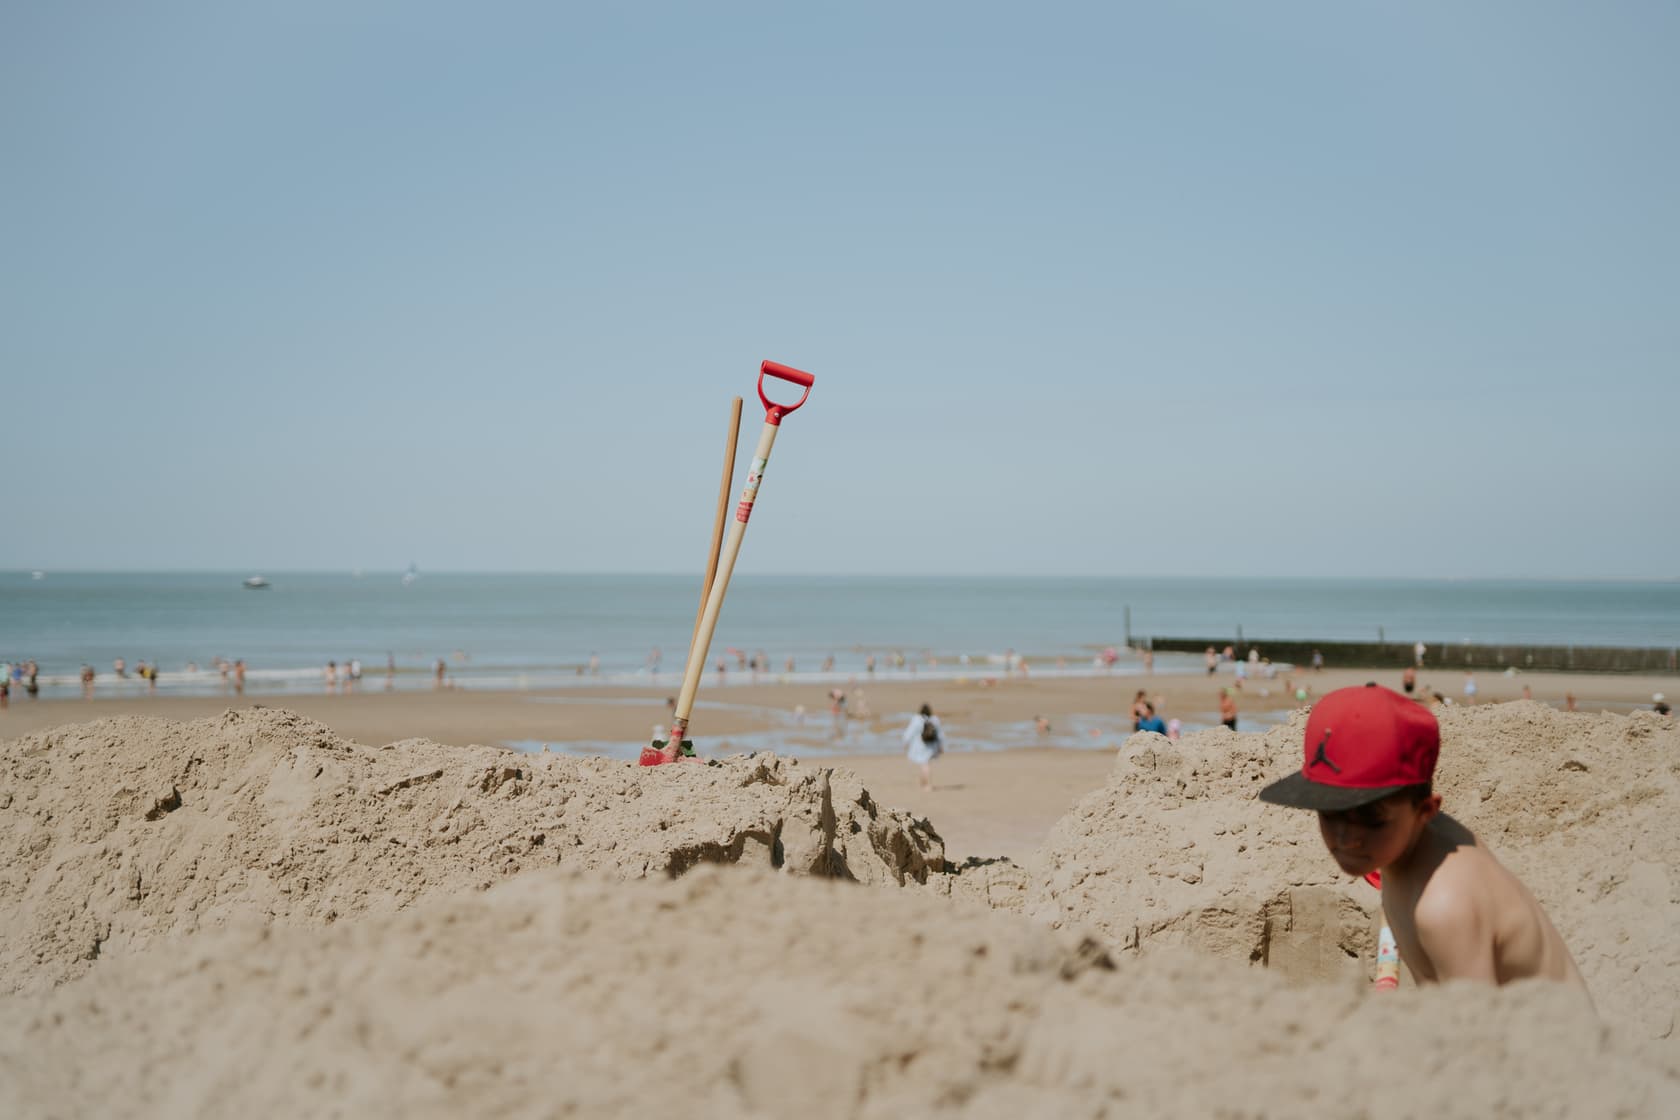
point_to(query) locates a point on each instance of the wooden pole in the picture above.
(724, 488)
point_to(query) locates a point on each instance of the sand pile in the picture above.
(1586, 810)
(734, 993)
(118, 833)
(1176, 850)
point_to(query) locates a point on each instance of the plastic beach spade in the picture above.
(675, 744)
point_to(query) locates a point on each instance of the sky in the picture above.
(1331, 289)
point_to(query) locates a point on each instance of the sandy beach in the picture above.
(356, 904)
(986, 802)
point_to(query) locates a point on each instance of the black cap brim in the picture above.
(1297, 792)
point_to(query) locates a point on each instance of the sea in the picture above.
(524, 630)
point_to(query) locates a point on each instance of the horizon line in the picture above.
(925, 575)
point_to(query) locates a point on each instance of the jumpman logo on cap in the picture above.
(1321, 757)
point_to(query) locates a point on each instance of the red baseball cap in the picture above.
(1362, 744)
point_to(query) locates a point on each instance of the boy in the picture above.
(1456, 912)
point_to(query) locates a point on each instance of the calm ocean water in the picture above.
(539, 629)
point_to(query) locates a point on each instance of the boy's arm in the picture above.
(1455, 935)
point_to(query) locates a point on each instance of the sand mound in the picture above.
(733, 993)
(117, 833)
(1586, 810)
(1176, 850)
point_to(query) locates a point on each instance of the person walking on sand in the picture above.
(924, 742)
(1227, 709)
(1469, 687)
(837, 711)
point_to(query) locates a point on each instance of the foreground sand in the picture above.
(251, 913)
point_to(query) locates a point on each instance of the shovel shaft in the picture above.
(720, 583)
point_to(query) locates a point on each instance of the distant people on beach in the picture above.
(1660, 705)
(330, 676)
(1227, 709)
(390, 671)
(1211, 660)
(1041, 724)
(837, 710)
(1569, 701)
(1417, 654)
(828, 664)
(655, 658)
(924, 741)
(1140, 704)
(1151, 721)
(87, 681)
(1149, 661)
(120, 668)
(239, 677)
(438, 670)
(1241, 671)
(1469, 687)
(1317, 661)
(1408, 680)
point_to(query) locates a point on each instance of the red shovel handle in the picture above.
(774, 412)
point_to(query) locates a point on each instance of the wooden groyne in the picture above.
(1439, 655)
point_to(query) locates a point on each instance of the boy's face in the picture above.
(1374, 836)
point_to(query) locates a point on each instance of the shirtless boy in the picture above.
(1456, 912)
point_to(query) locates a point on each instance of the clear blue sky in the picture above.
(1337, 289)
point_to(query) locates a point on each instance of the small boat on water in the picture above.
(256, 583)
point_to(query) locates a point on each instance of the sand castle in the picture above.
(252, 913)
